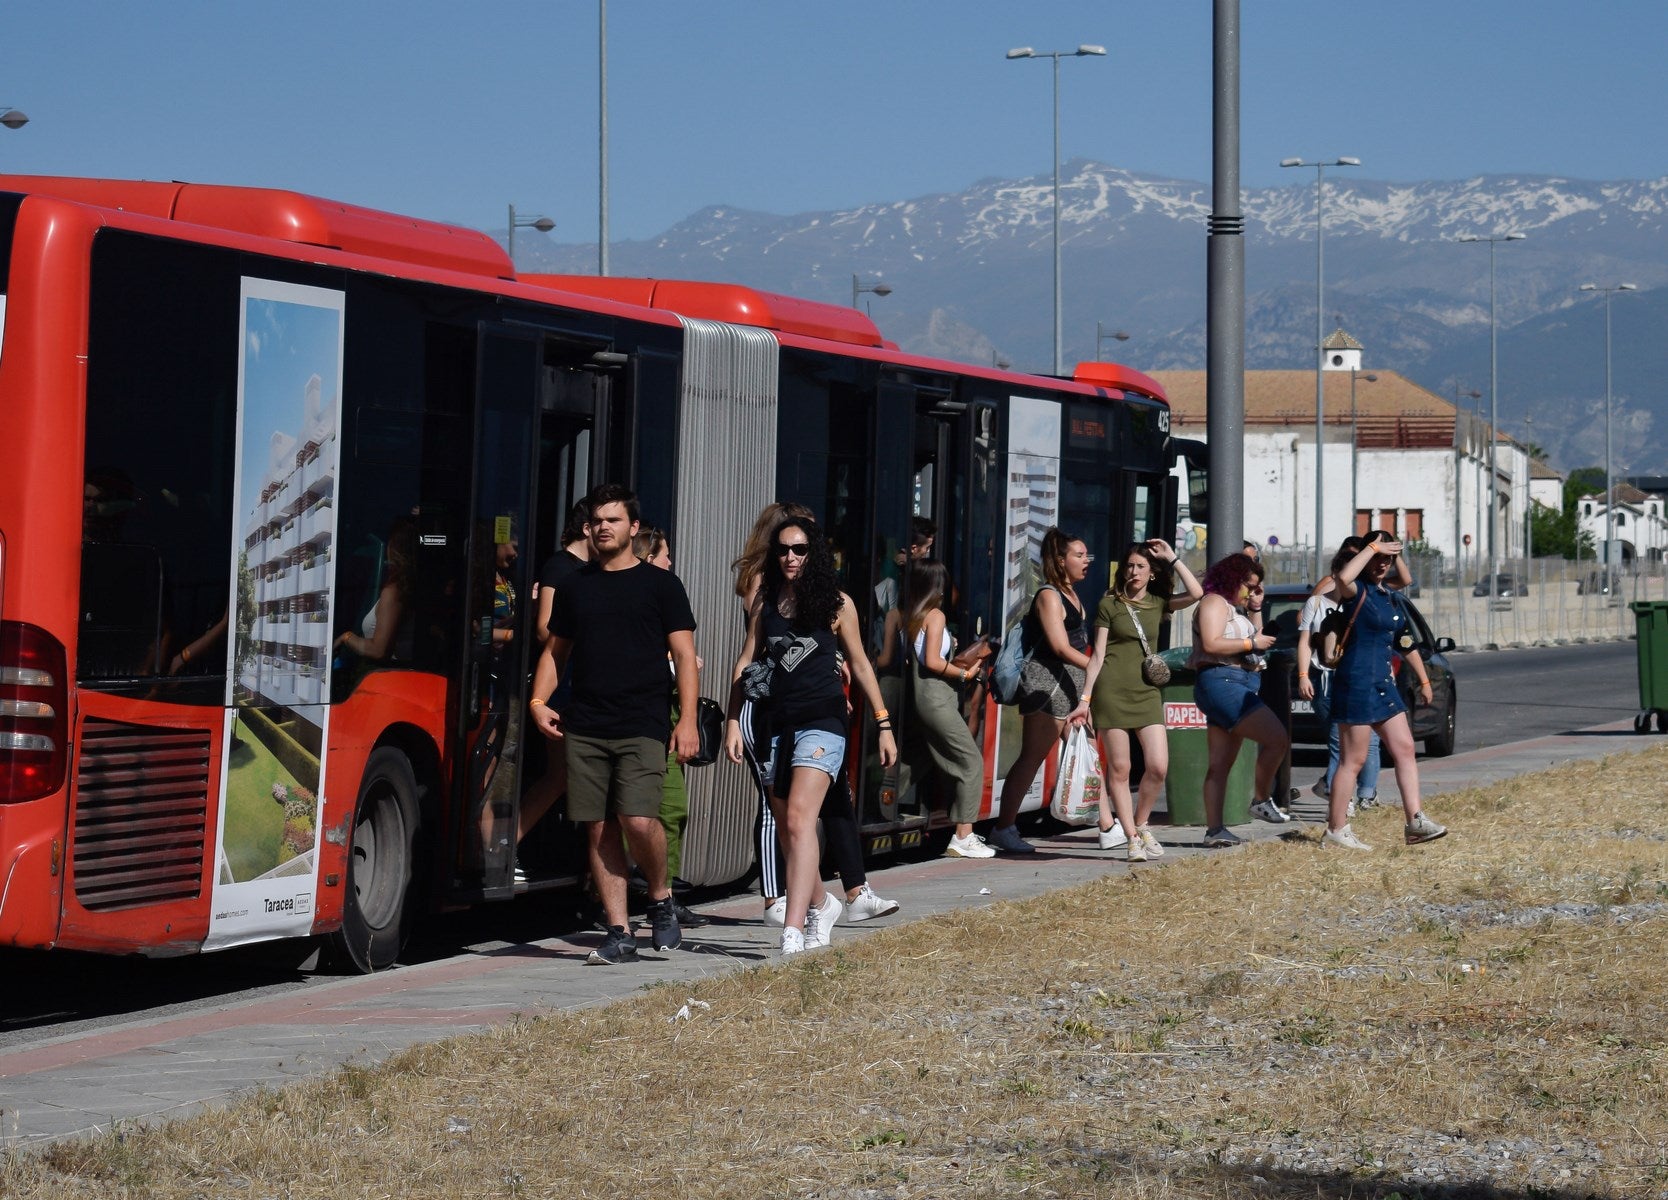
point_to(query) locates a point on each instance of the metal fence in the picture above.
(1542, 601)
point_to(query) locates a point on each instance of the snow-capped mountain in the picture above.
(971, 277)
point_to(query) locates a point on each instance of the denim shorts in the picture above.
(811, 748)
(1227, 695)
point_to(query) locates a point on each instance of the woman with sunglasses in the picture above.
(799, 621)
(839, 818)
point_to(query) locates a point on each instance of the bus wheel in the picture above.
(376, 917)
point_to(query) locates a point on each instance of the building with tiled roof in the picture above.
(1638, 521)
(1396, 455)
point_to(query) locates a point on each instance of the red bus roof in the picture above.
(286, 216)
(728, 302)
(309, 220)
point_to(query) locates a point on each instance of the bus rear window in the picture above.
(157, 507)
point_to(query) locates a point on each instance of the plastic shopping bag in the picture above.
(1077, 790)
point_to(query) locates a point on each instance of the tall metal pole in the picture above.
(1493, 414)
(1609, 478)
(602, 137)
(1320, 374)
(1355, 450)
(1225, 312)
(1609, 445)
(1059, 353)
(1320, 336)
(1493, 436)
(509, 242)
(1057, 55)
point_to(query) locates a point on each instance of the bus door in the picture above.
(576, 393)
(940, 471)
(491, 729)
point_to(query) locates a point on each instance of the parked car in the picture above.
(1434, 723)
(1598, 583)
(1504, 585)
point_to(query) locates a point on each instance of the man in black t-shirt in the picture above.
(613, 625)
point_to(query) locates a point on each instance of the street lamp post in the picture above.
(1493, 406)
(541, 223)
(1354, 449)
(602, 137)
(1609, 479)
(857, 289)
(1320, 336)
(1528, 493)
(1057, 55)
(1103, 335)
(12, 118)
(1472, 394)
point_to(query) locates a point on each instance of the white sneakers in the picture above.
(971, 846)
(1149, 843)
(776, 912)
(866, 905)
(1344, 838)
(1111, 839)
(819, 923)
(793, 941)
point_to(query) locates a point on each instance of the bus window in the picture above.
(157, 483)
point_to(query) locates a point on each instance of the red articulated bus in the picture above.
(277, 469)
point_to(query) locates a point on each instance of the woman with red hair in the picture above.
(1228, 656)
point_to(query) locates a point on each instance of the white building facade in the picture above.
(1395, 456)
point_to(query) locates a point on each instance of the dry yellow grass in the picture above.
(1482, 1016)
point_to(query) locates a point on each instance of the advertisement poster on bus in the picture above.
(1033, 506)
(282, 606)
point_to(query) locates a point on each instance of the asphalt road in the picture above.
(1505, 696)
(1514, 695)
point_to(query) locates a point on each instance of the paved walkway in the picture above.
(170, 1066)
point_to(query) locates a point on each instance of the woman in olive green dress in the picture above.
(1118, 702)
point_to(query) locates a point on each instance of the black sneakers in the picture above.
(663, 920)
(618, 947)
(688, 918)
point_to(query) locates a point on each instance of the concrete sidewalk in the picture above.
(171, 1066)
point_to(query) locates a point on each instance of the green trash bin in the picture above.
(1651, 620)
(1184, 726)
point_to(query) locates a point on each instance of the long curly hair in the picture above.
(816, 593)
(1163, 581)
(749, 565)
(1227, 575)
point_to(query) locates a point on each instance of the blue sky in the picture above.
(453, 110)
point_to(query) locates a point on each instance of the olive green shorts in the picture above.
(614, 777)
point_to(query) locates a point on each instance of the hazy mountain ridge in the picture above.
(972, 278)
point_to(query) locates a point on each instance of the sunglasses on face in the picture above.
(797, 549)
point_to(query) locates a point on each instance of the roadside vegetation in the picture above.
(1483, 1016)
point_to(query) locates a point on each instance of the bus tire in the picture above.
(382, 860)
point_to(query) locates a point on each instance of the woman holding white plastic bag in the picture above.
(1080, 787)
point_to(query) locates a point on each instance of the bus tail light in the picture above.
(34, 713)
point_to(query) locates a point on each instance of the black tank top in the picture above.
(1077, 631)
(806, 692)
